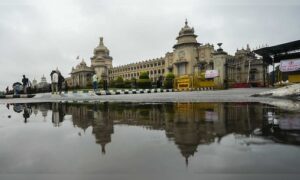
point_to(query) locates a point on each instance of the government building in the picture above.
(195, 65)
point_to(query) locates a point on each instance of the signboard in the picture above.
(289, 65)
(290, 122)
(211, 116)
(211, 73)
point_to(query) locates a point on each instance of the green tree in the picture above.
(119, 82)
(89, 85)
(169, 79)
(100, 83)
(144, 75)
(133, 82)
(127, 83)
(112, 83)
(144, 82)
(170, 76)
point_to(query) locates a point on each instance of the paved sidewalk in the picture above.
(231, 95)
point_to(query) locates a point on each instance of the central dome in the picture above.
(186, 36)
(186, 30)
(101, 48)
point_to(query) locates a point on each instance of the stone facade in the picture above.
(81, 75)
(154, 67)
(244, 67)
(101, 61)
(189, 60)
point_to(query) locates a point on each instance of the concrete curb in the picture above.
(198, 89)
(114, 92)
(134, 91)
(146, 91)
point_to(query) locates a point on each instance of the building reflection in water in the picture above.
(102, 125)
(191, 124)
(188, 125)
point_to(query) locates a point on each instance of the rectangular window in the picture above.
(252, 76)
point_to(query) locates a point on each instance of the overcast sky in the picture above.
(37, 36)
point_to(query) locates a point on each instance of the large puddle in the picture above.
(154, 139)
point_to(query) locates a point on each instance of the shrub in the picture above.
(100, 84)
(119, 82)
(89, 85)
(168, 82)
(112, 83)
(170, 76)
(133, 82)
(127, 83)
(144, 83)
(144, 75)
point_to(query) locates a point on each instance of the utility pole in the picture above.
(273, 83)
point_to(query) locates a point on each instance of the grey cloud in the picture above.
(37, 36)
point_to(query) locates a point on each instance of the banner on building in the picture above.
(290, 122)
(289, 65)
(211, 73)
(211, 116)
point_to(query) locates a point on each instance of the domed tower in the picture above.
(185, 51)
(43, 79)
(101, 61)
(34, 83)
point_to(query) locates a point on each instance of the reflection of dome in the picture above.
(187, 139)
(35, 111)
(44, 113)
(102, 126)
(186, 136)
(81, 116)
(103, 129)
(44, 110)
(187, 150)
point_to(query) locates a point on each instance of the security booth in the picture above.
(288, 57)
